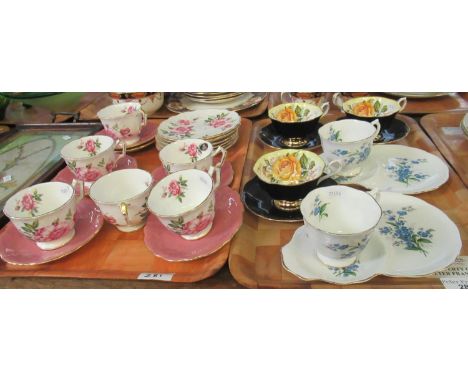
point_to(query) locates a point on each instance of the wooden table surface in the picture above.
(223, 279)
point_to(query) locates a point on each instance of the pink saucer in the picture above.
(171, 247)
(19, 250)
(66, 176)
(227, 174)
(148, 133)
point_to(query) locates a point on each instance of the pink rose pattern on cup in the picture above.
(90, 173)
(220, 121)
(90, 146)
(202, 221)
(29, 202)
(176, 189)
(110, 133)
(192, 150)
(48, 233)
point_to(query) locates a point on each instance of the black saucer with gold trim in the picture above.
(260, 203)
(394, 132)
(272, 138)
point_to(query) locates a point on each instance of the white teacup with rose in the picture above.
(190, 153)
(45, 213)
(123, 121)
(90, 158)
(184, 202)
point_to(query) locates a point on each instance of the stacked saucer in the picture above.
(213, 97)
(219, 127)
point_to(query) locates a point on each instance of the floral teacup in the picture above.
(190, 153)
(150, 101)
(351, 141)
(91, 157)
(45, 213)
(123, 121)
(121, 196)
(341, 220)
(289, 175)
(184, 202)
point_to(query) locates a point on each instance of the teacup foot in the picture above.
(287, 205)
(198, 235)
(336, 263)
(130, 228)
(49, 245)
(294, 142)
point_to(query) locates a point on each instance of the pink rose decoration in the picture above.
(182, 129)
(110, 133)
(90, 146)
(192, 150)
(174, 188)
(218, 123)
(58, 231)
(125, 132)
(109, 166)
(131, 109)
(184, 122)
(39, 235)
(87, 175)
(196, 225)
(28, 202)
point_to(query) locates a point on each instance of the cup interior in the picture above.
(86, 147)
(38, 200)
(341, 210)
(121, 185)
(180, 192)
(186, 151)
(294, 112)
(289, 167)
(119, 110)
(371, 107)
(347, 131)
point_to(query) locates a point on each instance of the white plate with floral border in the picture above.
(413, 239)
(199, 124)
(398, 168)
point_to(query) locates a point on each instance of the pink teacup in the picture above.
(123, 121)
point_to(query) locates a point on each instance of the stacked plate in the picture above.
(213, 98)
(219, 127)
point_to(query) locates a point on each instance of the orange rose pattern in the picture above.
(287, 168)
(364, 109)
(287, 115)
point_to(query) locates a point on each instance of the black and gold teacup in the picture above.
(297, 122)
(289, 175)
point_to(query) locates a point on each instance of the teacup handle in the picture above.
(124, 211)
(122, 143)
(338, 164)
(223, 152)
(375, 193)
(80, 184)
(337, 100)
(144, 117)
(215, 170)
(376, 124)
(325, 108)
(402, 102)
(286, 97)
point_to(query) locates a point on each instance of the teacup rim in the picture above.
(305, 216)
(189, 210)
(278, 153)
(321, 129)
(357, 99)
(39, 215)
(306, 104)
(112, 146)
(115, 106)
(123, 200)
(181, 140)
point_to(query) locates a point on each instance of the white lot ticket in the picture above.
(456, 275)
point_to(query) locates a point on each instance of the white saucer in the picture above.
(385, 254)
(398, 168)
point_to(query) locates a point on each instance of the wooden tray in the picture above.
(445, 131)
(255, 257)
(116, 255)
(90, 112)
